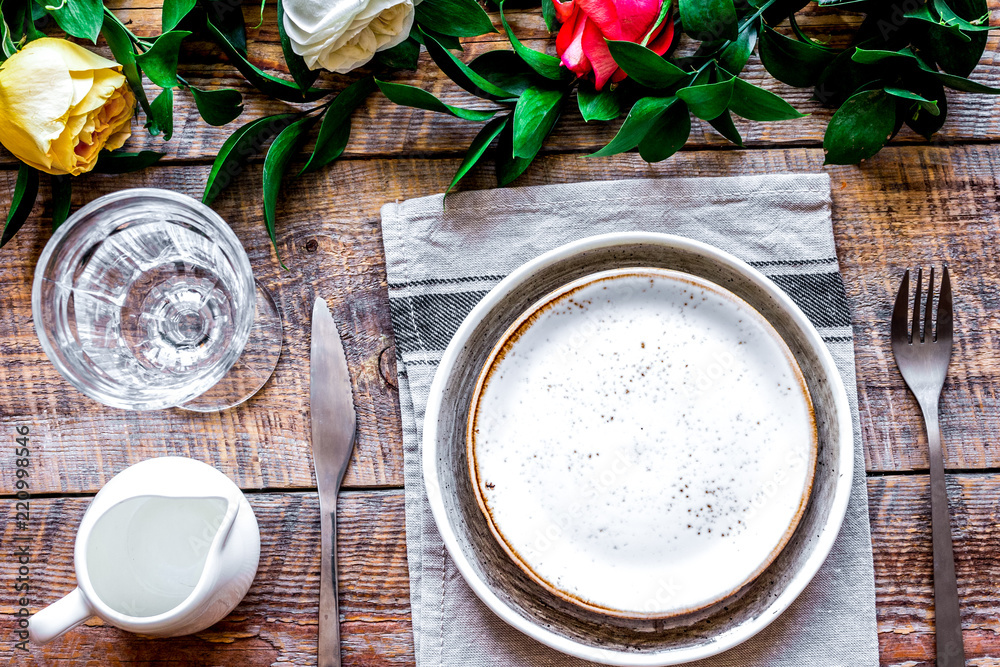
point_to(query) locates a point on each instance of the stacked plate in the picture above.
(638, 450)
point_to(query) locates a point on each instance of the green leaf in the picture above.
(508, 167)
(954, 51)
(925, 15)
(919, 119)
(218, 107)
(780, 10)
(960, 82)
(335, 131)
(121, 47)
(506, 70)
(708, 20)
(723, 124)
(929, 105)
(160, 61)
(276, 162)
(402, 56)
(174, 11)
(411, 96)
(304, 77)
(447, 41)
(534, 116)
(598, 105)
(160, 117)
(709, 100)
(79, 18)
(33, 12)
(461, 73)
(793, 62)
(860, 127)
(227, 16)
(7, 44)
(62, 199)
(843, 77)
(25, 193)
(457, 18)
(548, 66)
(242, 145)
(121, 162)
(872, 56)
(479, 145)
(12, 24)
(644, 66)
(977, 12)
(667, 135)
(549, 15)
(735, 56)
(265, 83)
(643, 115)
(755, 103)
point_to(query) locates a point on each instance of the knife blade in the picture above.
(334, 423)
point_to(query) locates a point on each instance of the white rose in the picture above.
(340, 35)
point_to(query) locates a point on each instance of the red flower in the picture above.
(587, 23)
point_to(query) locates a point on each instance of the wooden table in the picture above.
(916, 203)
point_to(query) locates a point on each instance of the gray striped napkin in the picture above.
(441, 262)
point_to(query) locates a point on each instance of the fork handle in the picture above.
(948, 619)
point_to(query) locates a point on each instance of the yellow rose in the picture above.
(61, 105)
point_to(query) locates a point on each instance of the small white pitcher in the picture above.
(168, 547)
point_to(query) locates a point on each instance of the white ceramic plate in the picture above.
(528, 606)
(642, 443)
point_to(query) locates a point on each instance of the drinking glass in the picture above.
(144, 299)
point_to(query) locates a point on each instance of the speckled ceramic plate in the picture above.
(641, 443)
(529, 606)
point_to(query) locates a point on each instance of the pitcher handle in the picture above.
(59, 617)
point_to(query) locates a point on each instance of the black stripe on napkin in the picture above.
(793, 262)
(427, 322)
(445, 281)
(821, 296)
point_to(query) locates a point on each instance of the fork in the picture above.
(922, 357)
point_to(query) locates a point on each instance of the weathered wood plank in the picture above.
(384, 129)
(899, 508)
(263, 443)
(277, 623)
(909, 205)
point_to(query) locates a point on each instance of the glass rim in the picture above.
(82, 216)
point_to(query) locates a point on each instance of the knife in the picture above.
(334, 423)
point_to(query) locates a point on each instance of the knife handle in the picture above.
(329, 611)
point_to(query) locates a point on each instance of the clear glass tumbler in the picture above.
(144, 299)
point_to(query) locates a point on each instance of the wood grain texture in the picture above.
(276, 623)
(913, 204)
(263, 443)
(384, 129)
(908, 206)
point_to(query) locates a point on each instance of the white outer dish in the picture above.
(672, 656)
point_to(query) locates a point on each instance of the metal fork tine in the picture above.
(944, 311)
(915, 329)
(899, 311)
(928, 334)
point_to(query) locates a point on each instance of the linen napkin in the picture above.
(441, 262)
